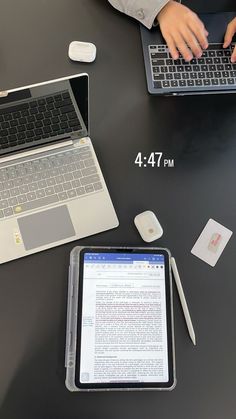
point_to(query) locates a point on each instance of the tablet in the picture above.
(120, 320)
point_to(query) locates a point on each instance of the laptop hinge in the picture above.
(35, 151)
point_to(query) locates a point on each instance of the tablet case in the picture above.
(71, 327)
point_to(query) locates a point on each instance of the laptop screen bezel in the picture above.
(12, 96)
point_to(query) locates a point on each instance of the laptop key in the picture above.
(4, 194)
(85, 155)
(156, 77)
(89, 179)
(71, 193)
(206, 82)
(3, 204)
(68, 177)
(225, 73)
(37, 203)
(75, 183)
(31, 196)
(8, 212)
(80, 191)
(190, 83)
(212, 67)
(12, 201)
(97, 186)
(222, 81)
(58, 188)
(230, 81)
(62, 196)
(67, 186)
(49, 191)
(201, 75)
(40, 193)
(209, 75)
(22, 199)
(14, 191)
(215, 82)
(177, 76)
(89, 188)
(165, 84)
(198, 82)
(89, 171)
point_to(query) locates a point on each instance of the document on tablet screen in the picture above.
(124, 324)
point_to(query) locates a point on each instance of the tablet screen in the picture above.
(124, 328)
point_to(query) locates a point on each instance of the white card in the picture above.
(211, 242)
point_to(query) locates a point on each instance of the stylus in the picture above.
(183, 300)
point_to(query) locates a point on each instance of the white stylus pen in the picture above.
(183, 300)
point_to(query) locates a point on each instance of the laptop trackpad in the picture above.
(46, 227)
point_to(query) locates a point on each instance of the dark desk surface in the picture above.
(199, 133)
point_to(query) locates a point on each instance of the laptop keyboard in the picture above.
(48, 180)
(37, 119)
(214, 68)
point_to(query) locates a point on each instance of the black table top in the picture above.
(199, 134)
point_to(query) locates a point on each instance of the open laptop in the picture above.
(212, 73)
(52, 190)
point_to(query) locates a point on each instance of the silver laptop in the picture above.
(52, 190)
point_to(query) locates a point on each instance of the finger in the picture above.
(192, 43)
(230, 31)
(182, 47)
(199, 32)
(233, 56)
(172, 48)
(171, 45)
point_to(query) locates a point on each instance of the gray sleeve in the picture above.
(143, 10)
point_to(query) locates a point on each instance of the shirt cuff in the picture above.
(146, 14)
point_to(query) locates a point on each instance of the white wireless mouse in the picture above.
(82, 51)
(148, 226)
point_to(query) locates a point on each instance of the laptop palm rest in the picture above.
(46, 227)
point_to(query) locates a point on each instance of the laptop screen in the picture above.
(44, 113)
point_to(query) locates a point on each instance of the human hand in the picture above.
(182, 30)
(230, 31)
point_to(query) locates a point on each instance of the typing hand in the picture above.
(182, 30)
(230, 31)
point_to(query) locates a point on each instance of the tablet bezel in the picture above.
(169, 316)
